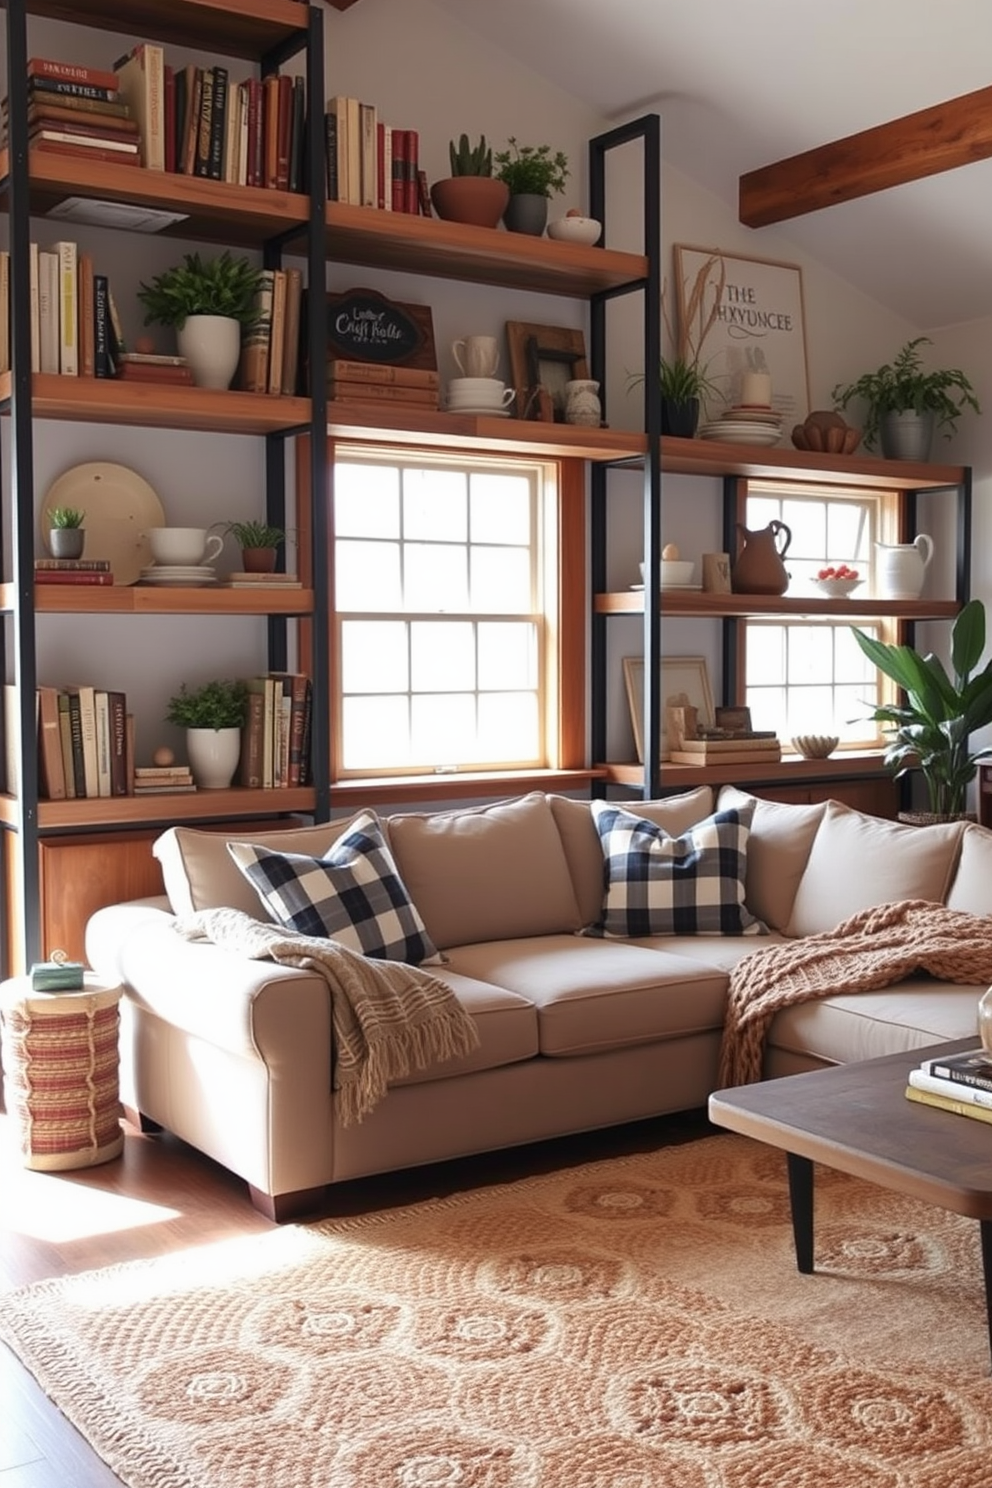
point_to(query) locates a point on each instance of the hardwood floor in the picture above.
(162, 1196)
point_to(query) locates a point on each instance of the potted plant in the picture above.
(259, 544)
(531, 173)
(66, 537)
(931, 728)
(470, 194)
(213, 716)
(209, 302)
(683, 381)
(904, 403)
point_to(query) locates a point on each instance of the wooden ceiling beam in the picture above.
(936, 139)
(342, 4)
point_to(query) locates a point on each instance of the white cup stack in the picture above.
(481, 395)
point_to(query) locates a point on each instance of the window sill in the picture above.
(376, 791)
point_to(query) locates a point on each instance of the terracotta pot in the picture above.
(477, 200)
(259, 560)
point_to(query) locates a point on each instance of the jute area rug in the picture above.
(633, 1323)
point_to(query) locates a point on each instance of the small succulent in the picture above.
(217, 286)
(255, 534)
(468, 162)
(215, 705)
(64, 517)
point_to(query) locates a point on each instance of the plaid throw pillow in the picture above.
(353, 894)
(657, 884)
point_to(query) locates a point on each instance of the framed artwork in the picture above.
(685, 682)
(758, 325)
(542, 359)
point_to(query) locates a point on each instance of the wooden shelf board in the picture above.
(688, 602)
(200, 805)
(714, 457)
(480, 255)
(236, 28)
(843, 766)
(214, 211)
(103, 400)
(140, 599)
(378, 792)
(371, 422)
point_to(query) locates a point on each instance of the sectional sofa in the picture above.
(577, 1030)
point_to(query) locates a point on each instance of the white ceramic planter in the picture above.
(211, 345)
(213, 756)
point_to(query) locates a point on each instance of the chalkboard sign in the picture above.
(365, 326)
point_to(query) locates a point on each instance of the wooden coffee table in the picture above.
(856, 1118)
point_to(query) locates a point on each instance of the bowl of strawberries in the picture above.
(837, 581)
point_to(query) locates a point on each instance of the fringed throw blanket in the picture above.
(386, 1017)
(873, 948)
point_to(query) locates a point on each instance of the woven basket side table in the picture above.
(60, 1068)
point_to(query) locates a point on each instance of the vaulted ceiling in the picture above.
(742, 85)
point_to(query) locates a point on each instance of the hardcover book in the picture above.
(141, 78)
(974, 1067)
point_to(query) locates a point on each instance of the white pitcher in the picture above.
(901, 567)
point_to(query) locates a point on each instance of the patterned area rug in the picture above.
(634, 1323)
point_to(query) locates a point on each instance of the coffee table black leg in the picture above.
(801, 1201)
(985, 1227)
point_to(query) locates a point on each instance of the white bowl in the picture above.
(674, 571)
(575, 230)
(837, 588)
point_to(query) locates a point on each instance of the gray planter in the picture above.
(526, 213)
(66, 542)
(906, 436)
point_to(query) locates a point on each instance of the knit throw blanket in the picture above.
(873, 948)
(386, 1017)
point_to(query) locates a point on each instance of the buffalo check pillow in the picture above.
(353, 894)
(656, 884)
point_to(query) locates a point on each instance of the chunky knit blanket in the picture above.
(873, 948)
(386, 1017)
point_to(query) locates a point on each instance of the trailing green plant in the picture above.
(65, 517)
(931, 728)
(215, 705)
(531, 169)
(466, 161)
(902, 386)
(225, 285)
(255, 534)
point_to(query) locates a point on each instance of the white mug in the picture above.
(481, 356)
(479, 392)
(185, 546)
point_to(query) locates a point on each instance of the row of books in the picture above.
(275, 742)
(85, 738)
(270, 349)
(960, 1083)
(370, 164)
(190, 120)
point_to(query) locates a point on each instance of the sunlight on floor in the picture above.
(37, 1205)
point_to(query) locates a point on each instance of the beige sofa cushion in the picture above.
(584, 851)
(971, 890)
(857, 861)
(488, 873)
(777, 852)
(200, 874)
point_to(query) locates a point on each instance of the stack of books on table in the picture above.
(754, 748)
(159, 780)
(372, 382)
(960, 1083)
(78, 111)
(73, 571)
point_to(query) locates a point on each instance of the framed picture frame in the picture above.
(759, 325)
(542, 359)
(684, 681)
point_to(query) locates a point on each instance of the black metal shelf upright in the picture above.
(647, 130)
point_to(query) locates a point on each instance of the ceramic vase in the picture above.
(211, 345)
(985, 1020)
(582, 405)
(213, 756)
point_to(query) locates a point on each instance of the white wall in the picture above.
(423, 72)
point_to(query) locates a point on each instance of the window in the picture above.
(803, 676)
(446, 613)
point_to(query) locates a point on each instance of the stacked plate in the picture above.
(751, 423)
(178, 575)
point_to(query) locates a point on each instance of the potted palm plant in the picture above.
(471, 193)
(904, 403)
(213, 716)
(210, 302)
(531, 173)
(931, 727)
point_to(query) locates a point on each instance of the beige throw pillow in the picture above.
(857, 861)
(971, 889)
(777, 852)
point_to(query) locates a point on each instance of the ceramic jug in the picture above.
(759, 568)
(900, 567)
(582, 405)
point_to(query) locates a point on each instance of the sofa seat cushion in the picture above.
(507, 1025)
(722, 951)
(595, 995)
(865, 1025)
